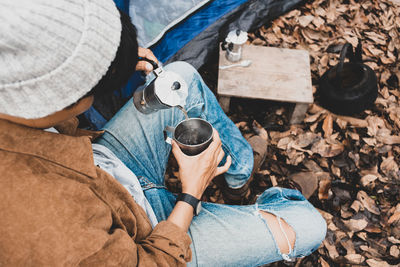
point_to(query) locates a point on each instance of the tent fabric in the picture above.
(194, 39)
(154, 18)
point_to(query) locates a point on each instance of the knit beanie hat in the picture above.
(52, 52)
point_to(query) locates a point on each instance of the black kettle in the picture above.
(349, 87)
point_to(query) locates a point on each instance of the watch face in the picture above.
(198, 208)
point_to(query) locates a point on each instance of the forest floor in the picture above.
(352, 161)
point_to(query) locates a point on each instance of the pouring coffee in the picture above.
(163, 89)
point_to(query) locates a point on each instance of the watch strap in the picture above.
(191, 200)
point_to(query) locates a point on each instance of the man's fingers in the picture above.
(147, 53)
(216, 143)
(223, 169)
(144, 66)
(176, 150)
(221, 155)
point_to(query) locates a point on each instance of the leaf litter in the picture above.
(352, 161)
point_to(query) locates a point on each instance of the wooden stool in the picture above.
(275, 74)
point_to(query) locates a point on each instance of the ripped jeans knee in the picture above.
(283, 234)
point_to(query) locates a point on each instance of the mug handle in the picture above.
(166, 137)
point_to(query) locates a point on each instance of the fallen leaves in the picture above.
(368, 202)
(355, 159)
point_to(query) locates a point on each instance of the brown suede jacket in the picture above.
(58, 209)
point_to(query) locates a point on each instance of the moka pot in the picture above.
(233, 45)
(163, 89)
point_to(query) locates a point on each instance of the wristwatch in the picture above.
(191, 200)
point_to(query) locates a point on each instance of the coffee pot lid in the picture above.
(236, 37)
(170, 88)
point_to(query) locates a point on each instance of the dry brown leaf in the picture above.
(353, 136)
(324, 149)
(362, 235)
(323, 262)
(394, 218)
(378, 263)
(355, 258)
(327, 126)
(390, 140)
(389, 167)
(368, 180)
(313, 117)
(356, 206)
(260, 131)
(295, 157)
(370, 141)
(241, 124)
(312, 166)
(307, 188)
(305, 20)
(324, 189)
(305, 139)
(356, 225)
(393, 240)
(378, 39)
(368, 202)
(326, 215)
(333, 254)
(318, 21)
(354, 121)
(312, 35)
(394, 251)
(342, 124)
(345, 214)
(284, 142)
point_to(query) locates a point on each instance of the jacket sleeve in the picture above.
(167, 245)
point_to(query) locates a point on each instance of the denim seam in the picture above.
(147, 184)
(234, 158)
(194, 247)
(115, 138)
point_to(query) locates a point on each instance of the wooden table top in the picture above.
(275, 74)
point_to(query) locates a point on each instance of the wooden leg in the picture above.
(224, 102)
(299, 113)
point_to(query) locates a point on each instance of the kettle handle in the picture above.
(353, 57)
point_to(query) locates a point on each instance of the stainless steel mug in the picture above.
(193, 135)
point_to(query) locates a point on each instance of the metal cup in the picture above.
(193, 135)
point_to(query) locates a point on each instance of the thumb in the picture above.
(176, 150)
(144, 66)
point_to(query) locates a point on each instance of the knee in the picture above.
(313, 231)
(284, 234)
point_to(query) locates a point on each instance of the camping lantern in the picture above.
(233, 45)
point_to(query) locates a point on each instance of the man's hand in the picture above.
(144, 65)
(196, 172)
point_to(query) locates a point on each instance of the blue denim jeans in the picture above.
(222, 235)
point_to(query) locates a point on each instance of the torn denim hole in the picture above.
(285, 257)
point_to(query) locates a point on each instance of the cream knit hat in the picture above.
(52, 52)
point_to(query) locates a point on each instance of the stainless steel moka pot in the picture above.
(163, 89)
(233, 45)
